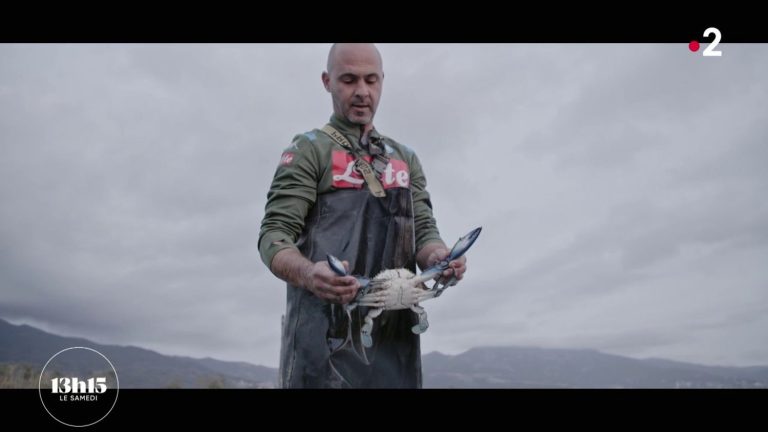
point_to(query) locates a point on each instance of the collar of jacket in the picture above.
(351, 130)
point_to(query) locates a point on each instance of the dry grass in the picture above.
(23, 376)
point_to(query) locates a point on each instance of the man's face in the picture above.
(354, 81)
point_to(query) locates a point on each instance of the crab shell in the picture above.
(394, 289)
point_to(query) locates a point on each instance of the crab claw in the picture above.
(459, 249)
(366, 339)
(421, 327)
(464, 243)
(336, 265)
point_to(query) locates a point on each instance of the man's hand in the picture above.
(324, 283)
(291, 266)
(436, 252)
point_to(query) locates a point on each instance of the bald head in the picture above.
(346, 52)
(354, 79)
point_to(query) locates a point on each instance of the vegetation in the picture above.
(23, 376)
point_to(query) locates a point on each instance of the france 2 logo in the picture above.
(709, 51)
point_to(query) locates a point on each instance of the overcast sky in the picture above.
(621, 190)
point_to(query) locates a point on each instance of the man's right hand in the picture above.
(324, 283)
(291, 266)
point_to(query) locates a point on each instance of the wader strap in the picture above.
(363, 167)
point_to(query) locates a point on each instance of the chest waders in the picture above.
(321, 346)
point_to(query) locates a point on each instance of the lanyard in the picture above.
(363, 167)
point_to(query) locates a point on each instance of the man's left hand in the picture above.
(456, 268)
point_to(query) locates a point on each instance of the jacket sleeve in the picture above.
(292, 194)
(424, 220)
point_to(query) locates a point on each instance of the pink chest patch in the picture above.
(396, 175)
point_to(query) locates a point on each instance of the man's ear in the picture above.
(326, 81)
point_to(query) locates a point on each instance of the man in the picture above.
(319, 203)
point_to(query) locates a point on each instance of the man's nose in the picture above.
(362, 90)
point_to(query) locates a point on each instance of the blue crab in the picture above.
(395, 289)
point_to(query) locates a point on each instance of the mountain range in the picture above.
(24, 350)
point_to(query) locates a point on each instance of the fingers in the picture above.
(436, 256)
(336, 294)
(329, 278)
(340, 298)
(329, 286)
(456, 268)
(341, 289)
(346, 285)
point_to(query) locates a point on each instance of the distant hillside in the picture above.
(519, 367)
(24, 350)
